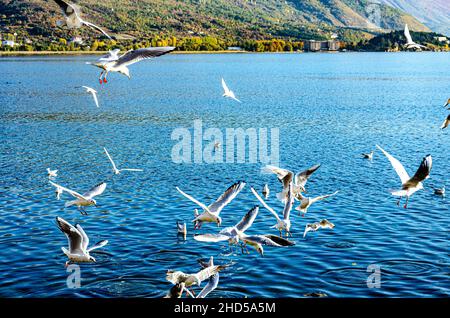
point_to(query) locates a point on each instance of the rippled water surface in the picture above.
(329, 108)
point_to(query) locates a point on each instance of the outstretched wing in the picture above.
(280, 240)
(212, 284)
(96, 27)
(398, 167)
(204, 207)
(98, 245)
(135, 56)
(408, 37)
(281, 173)
(248, 219)
(95, 190)
(74, 237)
(110, 159)
(225, 87)
(323, 197)
(302, 177)
(289, 203)
(214, 238)
(73, 193)
(265, 204)
(84, 235)
(422, 173)
(260, 239)
(226, 197)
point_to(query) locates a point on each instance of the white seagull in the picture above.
(87, 199)
(213, 281)
(115, 170)
(324, 224)
(440, 191)
(410, 44)
(182, 229)
(446, 122)
(228, 93)
(409, 185)
(305, 202)
(266, 191)
(52, 173)
(73, 17)
(368, 156)
(211, 213)
(115, 63)
(93, 92)
(283, 224)
(286, 177)
(78, 242)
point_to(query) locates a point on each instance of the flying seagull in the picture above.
(182, 229)
(446, 122)
(93, 92)
(409, 185)
(213, 281)
(115, 63)
(78, 242)
(52, 173)
(177, 291)
(73, 17)
(211, 213)
(410, 44)
(440, 191)
(115, 170)
(87, 199)
(228, 93)
(312, 227)
(286, 177)
(368, 156)
(305, 202)
(236, 235)
(283, 224)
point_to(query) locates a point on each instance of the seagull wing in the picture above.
(302, 177)
(96, 27)
(73, 193)
(248, 219)
(208, 272)
(66, 7)
(446, 122)
(260, 239)
(94, 94)
(225, 87)
(422, 173)
(398, 167)
(131, 170)
(265, 204)
(280, 240)
(110, 159)
(409, 39)
(281, 173)
(84, 235)
(212, 284)
(98, 245)
(226, 197)
(289, 203)
(204, 207)
(214, 238)
(74, 237)
(135, 56)
(95, 190)
(323, 197)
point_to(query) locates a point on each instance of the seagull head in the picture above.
(260, 249)
(92, 202)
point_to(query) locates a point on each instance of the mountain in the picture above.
(433, 13)
(225, 19)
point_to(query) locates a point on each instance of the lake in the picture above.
(328, 108)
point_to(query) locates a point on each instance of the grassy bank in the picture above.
(33, 53)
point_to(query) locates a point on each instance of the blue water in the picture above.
(329, 108)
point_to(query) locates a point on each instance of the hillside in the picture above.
(225, 19)
(433, 13)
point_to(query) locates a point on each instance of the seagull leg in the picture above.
(104, 78)
(406, 204)
(100, 78)
(398, 201)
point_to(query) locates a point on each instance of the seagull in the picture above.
(409, 185)
(410, 44)
(52, 173)
(440, 191)
(305, 202)
(447, 103)
(78, 242)
(93, 92)
(236, 235)
(58, 193)
(178, 277)
(182, 229)
(368, 156)
(211, 213)
(228, 93)
(73, 17)
(266, 191)
(324, 224)
(212, 282)
(82, 200)
(446, 122)
(115, 63)
(117, 171)
(177, 291)
(285, 223)
(286, 177)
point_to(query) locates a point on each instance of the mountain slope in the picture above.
(433, 13)
(227, 19)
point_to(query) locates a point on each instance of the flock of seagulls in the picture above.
(293, 187)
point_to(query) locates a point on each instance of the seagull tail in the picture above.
(399, 193)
